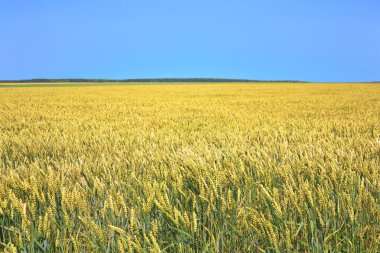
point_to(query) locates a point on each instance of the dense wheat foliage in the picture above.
(190, 168)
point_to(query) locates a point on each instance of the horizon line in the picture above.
(166, 79)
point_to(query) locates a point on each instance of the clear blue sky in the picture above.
(324, 40)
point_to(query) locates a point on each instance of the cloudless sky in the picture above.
(324, 40)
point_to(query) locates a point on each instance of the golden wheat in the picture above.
(190, 168)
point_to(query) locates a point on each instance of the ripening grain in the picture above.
(190, 168)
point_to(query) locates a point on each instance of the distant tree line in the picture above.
(166, 80)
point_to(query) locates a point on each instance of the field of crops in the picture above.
(190, 168)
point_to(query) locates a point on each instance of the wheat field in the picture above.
(190, 168)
